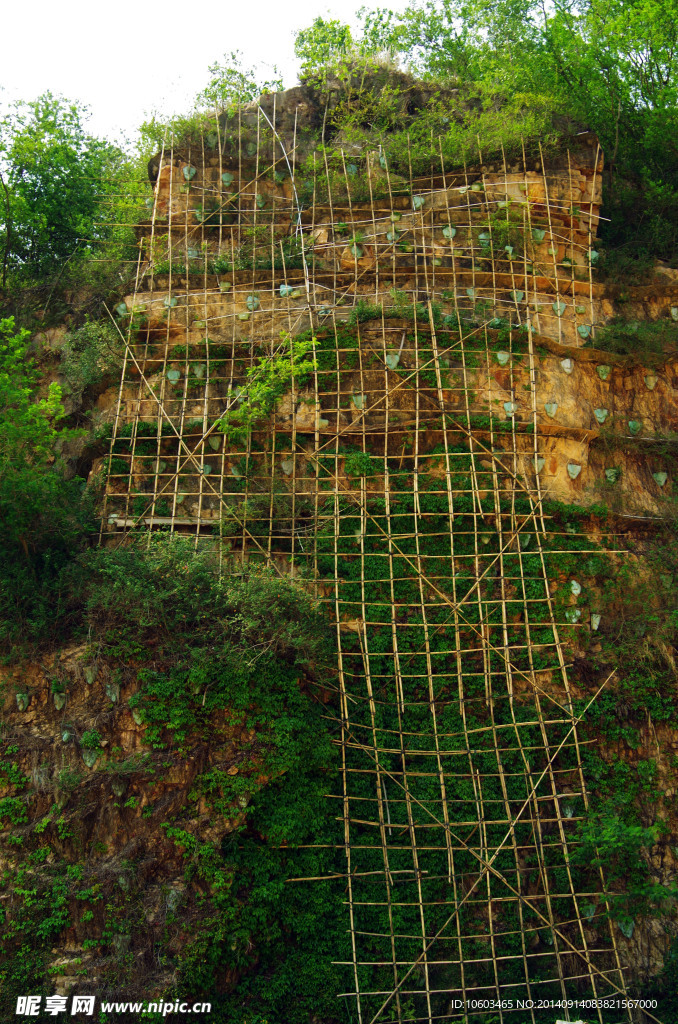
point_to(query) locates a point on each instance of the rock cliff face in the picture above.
(462, 478)
(595, 412)
(305, 117)
(101, 806)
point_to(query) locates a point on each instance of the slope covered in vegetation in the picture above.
(182, 712)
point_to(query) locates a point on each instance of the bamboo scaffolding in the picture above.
(460, 781)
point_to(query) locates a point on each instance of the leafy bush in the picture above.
(359, 464)
(266, 383)
(169, 588)
(89, 355)
(650, 340)
(615, 836)
(91, 740)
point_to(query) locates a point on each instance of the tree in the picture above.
(322, 44)
(43, 517)
(54, 177)
(232, 84)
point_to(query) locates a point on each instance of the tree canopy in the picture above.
(54, 176)
(606, 65)
(43, 516)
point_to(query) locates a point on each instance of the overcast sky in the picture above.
(129, 58)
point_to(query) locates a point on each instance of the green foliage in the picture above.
(229, 656)
(663, 987)
(525, 72)
(322, 45)
(616, 846)
(213, 654)
(27, 430)
(636, 597)
(91, 740)
(43, 517)
(60, 196)
(218, 653)
(233, 85)
(12, 811)
(614, 835)
(649, 340)
(359, 464)
(174, 590)
(30, 923)
(364, 311)
(640, 633)
(11, 774)
(265, 384)
(90, 355)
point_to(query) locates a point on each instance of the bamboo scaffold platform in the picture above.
(401, 479)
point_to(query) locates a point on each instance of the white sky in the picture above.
(129, 58)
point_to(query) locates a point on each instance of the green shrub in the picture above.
(90, 355)
(651, 340)
(359, 464)
(91, 740)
